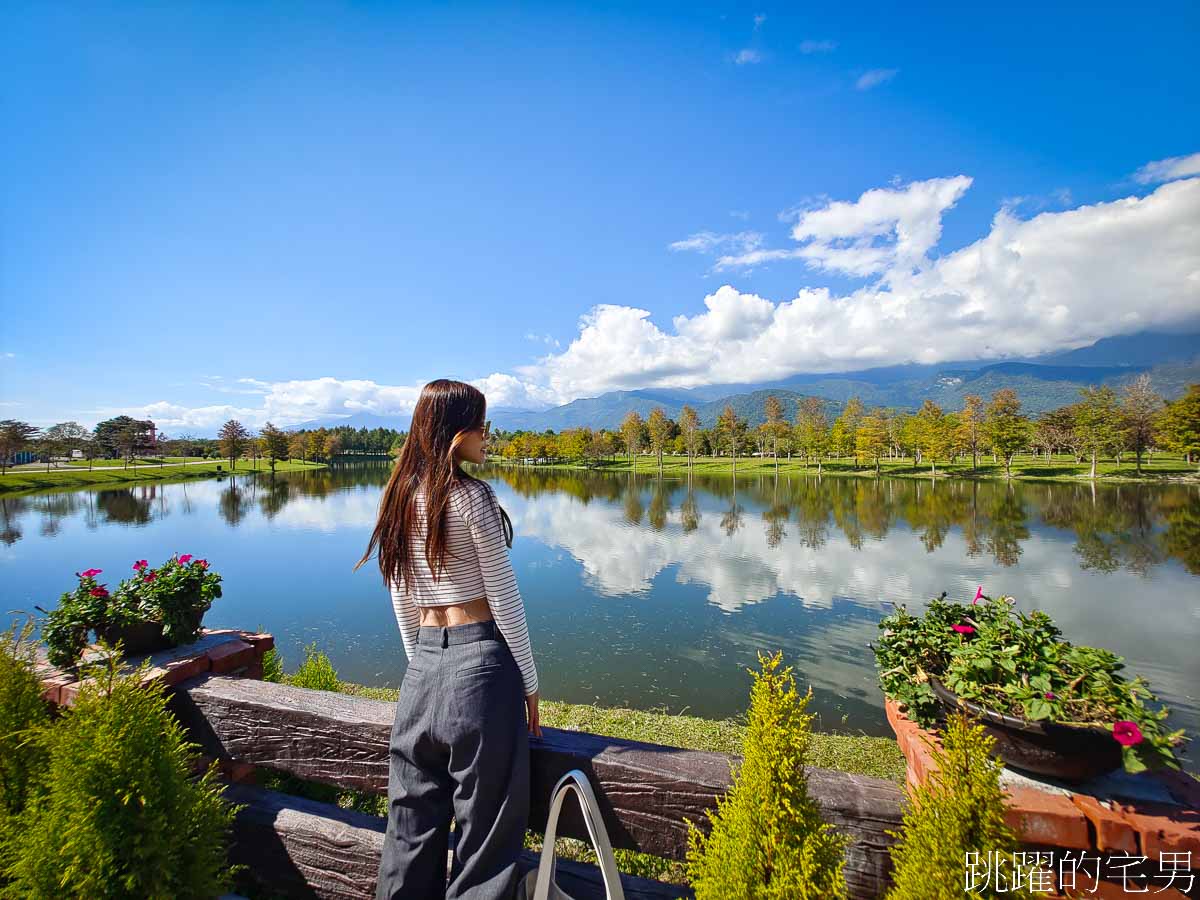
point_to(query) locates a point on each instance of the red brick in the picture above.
(174, 671)
(262, 641)
(1113, 832)
(254, 670)
(52, 686)
(231, 655)
(1045, 818)
(1162, 828)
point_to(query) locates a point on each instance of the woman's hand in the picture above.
(531, 709)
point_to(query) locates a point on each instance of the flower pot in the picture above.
(1067, 752)
(141, 637)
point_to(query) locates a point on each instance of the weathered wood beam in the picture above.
(646, 791)
(302, 848)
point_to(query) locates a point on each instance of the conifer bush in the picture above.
(115, 812)
(958, 810)
(316, 672)
(767, 838)
(22, 712)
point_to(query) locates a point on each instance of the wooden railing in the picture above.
(302, 848)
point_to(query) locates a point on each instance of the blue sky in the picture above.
(296, 209)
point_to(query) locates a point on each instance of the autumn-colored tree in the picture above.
(970, 429)
(631, 433)
(730, 430)
(333, 446)
(933, 433)
(659, 427)
(297, 445)
(775, 426)
(871, 437)
(1141, 407)
(689, 427)
(273, 443)
(812, 430)
(232, 439)
(844, 435)
(1006, 429)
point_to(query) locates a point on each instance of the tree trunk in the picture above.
(1093, 465)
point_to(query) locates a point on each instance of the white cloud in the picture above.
(874, 77)
(546, 339)
(747, 56)
(708, 241)
(1168, 169)
(1057, 281)
(885, 229)
(809, 47)
(7, 355)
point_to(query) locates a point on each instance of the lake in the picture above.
(657, 593)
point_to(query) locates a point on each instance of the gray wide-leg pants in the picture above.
(459, 745)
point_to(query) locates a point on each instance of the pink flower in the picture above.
(1126, 733)
(963, 629)
(98, 592)
(140, 564)
(185, 558)
(89, 573)
(202, 563)
(978, 595)
(150, 577)
(1050, 695)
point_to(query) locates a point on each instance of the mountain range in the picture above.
(1042, 383)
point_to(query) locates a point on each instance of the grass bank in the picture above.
(74, 477)
(1163, 467)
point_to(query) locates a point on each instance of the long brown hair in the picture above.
(445, 412)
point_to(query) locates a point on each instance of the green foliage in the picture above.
(272, 666)
(1179, 425)
(316, 672)
(767, 838)
(959, 810)
(115, 812)
(1016, 663)
(22, 712)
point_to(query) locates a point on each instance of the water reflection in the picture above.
(653, 591)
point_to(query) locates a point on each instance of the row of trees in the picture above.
(1102, 424)
(127, 438)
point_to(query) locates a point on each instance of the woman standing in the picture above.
(469, 699)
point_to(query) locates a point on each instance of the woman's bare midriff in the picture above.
(451, 614)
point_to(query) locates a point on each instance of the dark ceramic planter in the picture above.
(1067, 752)
(141, 637)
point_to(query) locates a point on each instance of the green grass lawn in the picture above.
(74, 476)
(1060, 467)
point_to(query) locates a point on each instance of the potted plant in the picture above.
(151, 610)
(1054, 708)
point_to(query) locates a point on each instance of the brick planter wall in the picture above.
(1115, 817)
(223, 651)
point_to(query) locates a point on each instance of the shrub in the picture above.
(959, 810)
(767, 838)
(316, 672)
(115, 812)
(272, 666)
(22, 712)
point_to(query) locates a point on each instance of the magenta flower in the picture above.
(202, 563)
(140, 564)
(963, 629)
(185, 558)
(1126, 733)
(149, 577)
(1050, 695)
(89, 573)
(98, 592)
(978, 595)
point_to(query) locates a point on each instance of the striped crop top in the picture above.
(477, 565)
